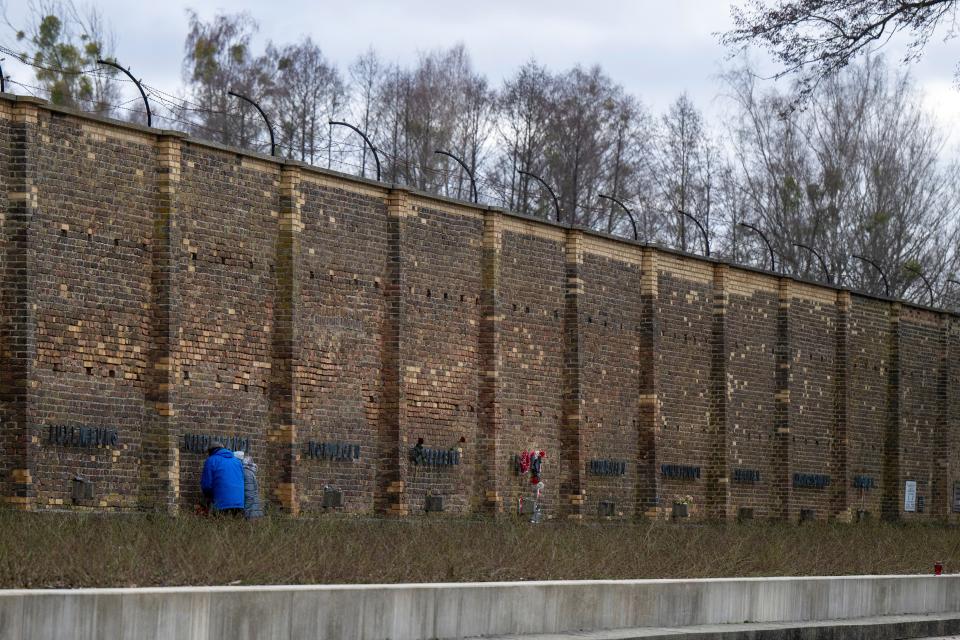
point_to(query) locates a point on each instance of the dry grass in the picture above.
(67, 550)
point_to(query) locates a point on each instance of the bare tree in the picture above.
(441, 103)
(626, 170)
(580, 137)
(472, 130)
(521, 123)
(817, 38)
(858, 172)
(307, 92)
(685, 163)
(366, 102)
(579, 131)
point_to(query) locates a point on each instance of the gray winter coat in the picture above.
(252, 507)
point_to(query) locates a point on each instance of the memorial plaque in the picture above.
(528, 506)
(82, 489)
(332, 498)
(422, 456)
(910, 496)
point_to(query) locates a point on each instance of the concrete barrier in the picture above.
(459, 610)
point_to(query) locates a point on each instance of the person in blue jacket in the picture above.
(222, 481)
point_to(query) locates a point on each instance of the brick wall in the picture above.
(156, 287)
(686, 434)
(869, 373)
(812, 331)
(949, 461)
(226, 282)
(95, 189)
(10, 457)
(342, 311)
(441, 259)
(530, 357)
(921, 362)
(610, 319)
(751, 389)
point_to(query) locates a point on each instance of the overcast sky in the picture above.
(653, 48)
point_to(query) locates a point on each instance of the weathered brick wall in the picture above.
(95, 186)
(610, 318)
(868, 387)
(530, 356)
(751, 388)
(441, 259)
(686, 436)
(812, 327)
(921, 407)
(9, 432)
(162, 287)
(227, 261)
(949, 459)
(344, 254)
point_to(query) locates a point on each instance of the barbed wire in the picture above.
(428, 176)
(177, 105)
(495, 192)
(23, 59)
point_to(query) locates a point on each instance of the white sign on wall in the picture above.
(910, 495)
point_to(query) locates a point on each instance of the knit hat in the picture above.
(215, 444)
(238, 454)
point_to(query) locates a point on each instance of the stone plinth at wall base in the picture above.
(22, 504)
(286, 494)
(846, 515)
(398, 510)
(493, 502)
(462, 610)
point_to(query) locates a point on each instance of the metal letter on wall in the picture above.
(83, 436)
(680, 471)
(608, 467)
(200, 442)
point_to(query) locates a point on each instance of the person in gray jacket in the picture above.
(252, 507)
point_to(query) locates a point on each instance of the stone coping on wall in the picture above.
(387, 187)
(461, 610)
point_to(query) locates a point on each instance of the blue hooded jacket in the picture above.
(222, 480)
